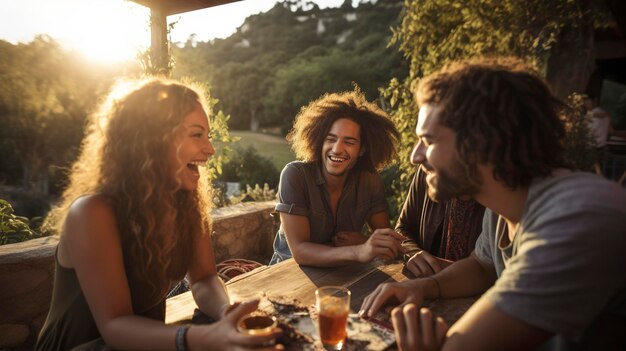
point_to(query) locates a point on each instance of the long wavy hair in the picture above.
(123, 157)
(379, 135)
(503, 114)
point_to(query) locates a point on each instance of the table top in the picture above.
(288, 279)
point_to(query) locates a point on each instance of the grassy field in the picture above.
(273, 147)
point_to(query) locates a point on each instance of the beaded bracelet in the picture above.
(181, 338)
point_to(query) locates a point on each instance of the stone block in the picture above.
(26, 276)
(244, 231)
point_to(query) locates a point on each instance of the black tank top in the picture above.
(69, 322)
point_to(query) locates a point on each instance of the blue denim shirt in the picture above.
(302, 191)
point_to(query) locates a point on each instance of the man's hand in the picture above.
(384, 243)
(423, 264)
(418, 333)
(348, 238)
(402, 293)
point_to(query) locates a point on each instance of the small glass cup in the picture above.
(333, 306)
(258, 324)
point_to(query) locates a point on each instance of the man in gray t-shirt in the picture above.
(566, 262)
(550, 262)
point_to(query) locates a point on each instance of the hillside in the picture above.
(280, 60)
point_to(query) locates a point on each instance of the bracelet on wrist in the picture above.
(181, 338)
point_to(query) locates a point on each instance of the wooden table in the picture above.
(288, 279)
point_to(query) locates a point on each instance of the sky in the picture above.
(116, 30)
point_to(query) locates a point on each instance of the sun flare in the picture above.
(104, 46)
(105, 30)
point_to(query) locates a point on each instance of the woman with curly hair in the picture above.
(326, 199)
(133, 222)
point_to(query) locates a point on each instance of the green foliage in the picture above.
(434, 32)
(403, 112)
(246, 166)
(13, 229)
(275, 148)
(222, 139)
(580, 142)
(266, 193)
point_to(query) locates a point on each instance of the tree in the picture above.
(248, 167)
(242, 88)
(45, 96)
(542, 32)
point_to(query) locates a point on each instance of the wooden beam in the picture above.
(159, 10)
(173, 7)
(159, 45)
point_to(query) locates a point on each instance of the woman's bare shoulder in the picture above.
(90, 226)
(91, 204)
(90, 212)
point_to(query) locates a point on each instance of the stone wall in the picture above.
(26, 274)
(244, 231)
(27, 269)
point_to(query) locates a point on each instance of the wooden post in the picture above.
(159, 46)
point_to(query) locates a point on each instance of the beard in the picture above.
(446, 185)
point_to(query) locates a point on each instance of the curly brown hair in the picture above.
(123, 159)
(379, 135)
(503, 114)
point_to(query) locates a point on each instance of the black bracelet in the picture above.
(181, 338)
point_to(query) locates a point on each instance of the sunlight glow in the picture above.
(101, 30)
(110, 31)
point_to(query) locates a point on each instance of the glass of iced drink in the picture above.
(333, 305)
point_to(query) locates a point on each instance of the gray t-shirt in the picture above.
(567, 261)
(302, 191)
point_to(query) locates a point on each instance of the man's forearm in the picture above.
(320, 255)
(466, 277)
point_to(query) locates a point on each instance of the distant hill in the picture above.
(280, 60)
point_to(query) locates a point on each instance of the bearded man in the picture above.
(550, 260)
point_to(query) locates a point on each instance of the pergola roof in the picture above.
(172, 7)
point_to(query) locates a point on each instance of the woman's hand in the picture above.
(223, 335)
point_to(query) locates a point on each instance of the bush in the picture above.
(14, 229)
(255, 194)
(248, 167)
(580, 143)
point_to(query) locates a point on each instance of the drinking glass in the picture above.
(333, 306)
